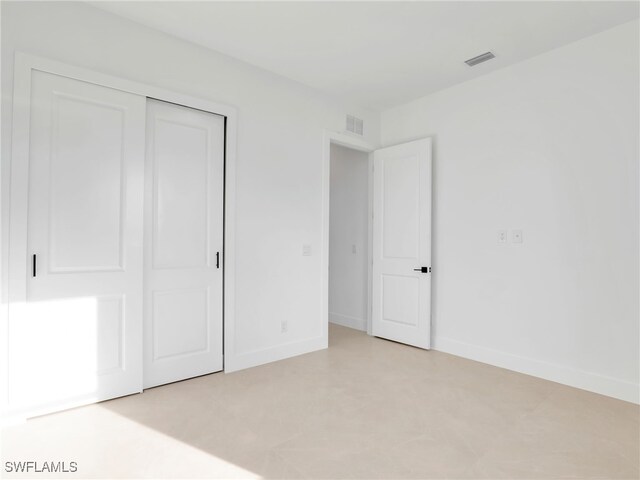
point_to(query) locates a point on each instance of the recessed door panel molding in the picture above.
(189, 335)
(86, 195)
(401, 283)
(183, 243)
(181, 183)
(401, 299)
(401, 207)
(68, 348)
(78, 336)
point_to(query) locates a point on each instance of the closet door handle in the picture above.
(33, 265)
(423, 269)
(217, 259)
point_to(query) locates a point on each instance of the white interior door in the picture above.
(183, 246)
(401, 290)
(78, 337)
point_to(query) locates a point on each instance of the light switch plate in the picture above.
(516, 236)
(306, 250)
(502, 236)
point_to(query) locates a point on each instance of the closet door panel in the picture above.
(78, 337)
(184, 225)
(181, 187)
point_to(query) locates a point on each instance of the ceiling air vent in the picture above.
(479, 59)
(354, 125)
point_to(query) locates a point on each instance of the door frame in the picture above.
(354, 143)
(19, 184)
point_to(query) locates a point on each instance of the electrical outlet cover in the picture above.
(516, 236)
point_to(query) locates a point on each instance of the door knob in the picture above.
(423, 269)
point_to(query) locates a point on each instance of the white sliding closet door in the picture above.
(183, 243)
(78, 337)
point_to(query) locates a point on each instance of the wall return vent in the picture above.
(355, 125)
(479, 59)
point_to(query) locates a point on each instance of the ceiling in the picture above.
(377, 54)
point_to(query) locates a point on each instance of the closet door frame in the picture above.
(18, 258)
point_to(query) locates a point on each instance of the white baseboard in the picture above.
(234, 363)
(593, 382)
(348, 321)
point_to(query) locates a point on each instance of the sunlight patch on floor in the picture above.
(105, 444)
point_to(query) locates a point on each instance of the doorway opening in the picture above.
(349, 238)
(398, 252)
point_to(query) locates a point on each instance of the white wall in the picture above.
(549, 146)
(279, 162)
(349, 229)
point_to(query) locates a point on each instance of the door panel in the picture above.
(401, 306)
(78, 337)
(400, 299)
(401, 210)
(184, 225)
(190, 335)
(86, 145)
(181, 184)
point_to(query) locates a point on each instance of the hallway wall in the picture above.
(349, 237)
